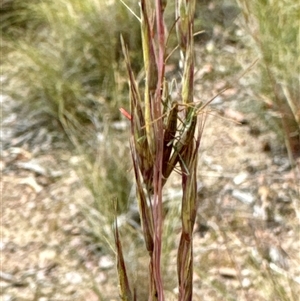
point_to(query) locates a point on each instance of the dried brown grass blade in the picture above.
(125, 292)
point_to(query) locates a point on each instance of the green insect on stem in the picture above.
(182, 143)
(169, 136)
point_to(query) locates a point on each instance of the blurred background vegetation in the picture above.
(63, 57)
(274, 29)
(62, 63)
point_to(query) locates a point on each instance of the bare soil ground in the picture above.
(247, 236)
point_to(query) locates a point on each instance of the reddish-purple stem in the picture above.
(158, 128)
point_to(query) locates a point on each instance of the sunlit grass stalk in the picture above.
(163, 135)
(185, 11)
